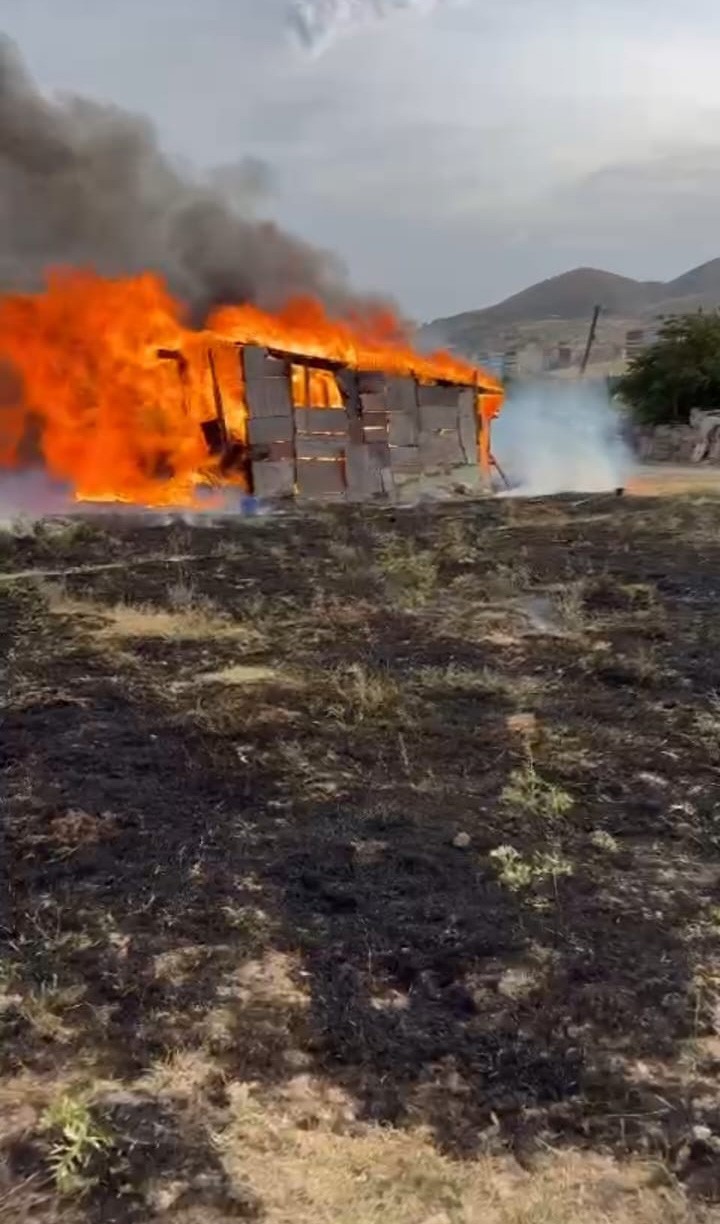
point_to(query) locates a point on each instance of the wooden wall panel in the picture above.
(321, 420)
(438, 396)
(320, 446)
(257, 362)
(363, 474)
(270, 429)
(438, 416)
(274, 478)
(371, 382)
(320, 479)
(468, 426)
(440, 451)
(402, 429)
(405, 458)
(401, 395)
(267, 383)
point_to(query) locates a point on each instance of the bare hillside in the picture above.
(559, 308)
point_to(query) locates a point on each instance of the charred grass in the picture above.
(361, 866)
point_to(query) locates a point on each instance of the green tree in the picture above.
(677, 373)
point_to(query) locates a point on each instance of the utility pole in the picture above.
(590, 340)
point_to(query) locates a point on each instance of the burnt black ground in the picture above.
(315, 812)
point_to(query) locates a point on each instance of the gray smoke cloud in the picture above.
(561, 437)
(317, 23)
(84, 184)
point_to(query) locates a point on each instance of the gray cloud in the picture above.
(317, 23)
(654, 216)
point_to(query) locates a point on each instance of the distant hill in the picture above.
(705, 279)
(570, 298)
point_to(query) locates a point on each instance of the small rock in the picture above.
(462, 841)
(652, 779)
(702, 1134)
(164, 1196)
(368, 853)
(516, 983)
(683, 809)
(522, 724)
(296, 1060)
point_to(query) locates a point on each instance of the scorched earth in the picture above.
(362, 865)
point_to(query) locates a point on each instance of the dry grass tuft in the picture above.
(50, 1011)
(127, 621)
(183, 1075)
(326, 1170)
(359, 694)
(409, 573)
(240, 675)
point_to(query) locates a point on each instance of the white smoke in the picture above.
(561, 437)
(318, 23)
(31, 496)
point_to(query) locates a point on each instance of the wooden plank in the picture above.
(287, 356)
(321, 420)
(379, 453)
(440, 451)
(320, 446)
(402, 429)
(273, 479)
(374, 418)
(438, 416)
(347, 381)
(270, 429)
(436, 395)
(281, 450)
(401, 395)
(318, 479)
(252, 358)
(405, 458)
(268, 397)
(387, 476)
(468, 427)
(257, 363)
(372, 403)
(370, 382)
(375, 428)
(272, 450)
(364, 477)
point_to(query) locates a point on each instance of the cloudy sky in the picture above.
(451, 155)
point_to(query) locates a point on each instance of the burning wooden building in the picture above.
(125, 402)
(320, 429)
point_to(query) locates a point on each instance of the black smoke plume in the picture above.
(84, 184)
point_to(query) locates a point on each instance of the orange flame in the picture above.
(118, 422)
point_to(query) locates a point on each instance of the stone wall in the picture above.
(664, 443)
(698, 442)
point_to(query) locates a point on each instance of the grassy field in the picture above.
(360, 866)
